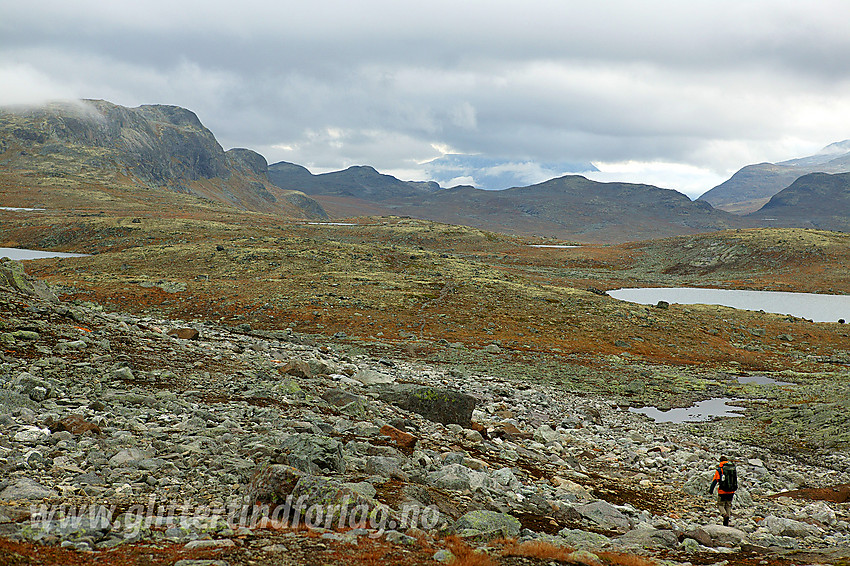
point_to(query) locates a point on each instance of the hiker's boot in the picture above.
(725, 521)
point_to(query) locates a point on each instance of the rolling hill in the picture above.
(817, 200)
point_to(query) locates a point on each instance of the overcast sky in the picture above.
(678, 93)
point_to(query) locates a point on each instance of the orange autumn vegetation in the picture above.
(465, 555)
(626, 559)
(538, 549)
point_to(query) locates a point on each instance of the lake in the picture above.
(700, 412)
(18, 209)
(819, 308)
(559, 246)
(19, 254)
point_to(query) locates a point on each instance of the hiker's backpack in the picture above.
(728, 477)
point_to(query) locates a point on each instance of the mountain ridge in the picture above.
(95, 142)
(752, 186)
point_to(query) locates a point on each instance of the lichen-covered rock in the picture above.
(313, 454)
(320, 501)
(273, 483)
(487, 525)
(444, 406)
(12, 275)
(577, 538)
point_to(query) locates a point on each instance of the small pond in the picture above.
(819, 308)
(700, 412)
(332, 224)
(761, 380)
(559, 246)
(19, 254)
(17, 209)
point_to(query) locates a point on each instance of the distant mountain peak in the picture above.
(836, 148)
(752, 186)
(495, 173)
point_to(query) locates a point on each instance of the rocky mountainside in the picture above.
(752, 186)
(94, 143)
(361, 182)
(817, 200)
(120, 432)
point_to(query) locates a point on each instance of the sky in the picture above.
(676, 93)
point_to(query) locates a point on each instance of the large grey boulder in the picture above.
(129, 457)
(605, 515)
(783, 527)
(649, 539)
(724, 536)
(583, 540)
(444, 406)
(33, 387)
(487, 525)
(26, 488)
(313, 454)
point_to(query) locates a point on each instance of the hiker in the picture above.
(726, 480)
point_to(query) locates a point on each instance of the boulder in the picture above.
(386, 467)
(326, 502)
(297, 368)
(605, 516)
(780, 526)
(185, 333)
(371, 377)
(12, 275)
(454, 477)
(487, 525)
(723, 536)
(313, 454)
(129, 457)
(444, 406)
(75, 424)
(26, 488)
(403, 440)
(649, 538)
(272, 483)
(821, 512)
(94, 526)
(31, 435)
(33, 387)
(579, 539)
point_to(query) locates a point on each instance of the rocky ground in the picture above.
(191, 424)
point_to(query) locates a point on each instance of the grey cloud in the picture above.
(546, 81)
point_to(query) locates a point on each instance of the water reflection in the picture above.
(700, 412)
(19, 254)
(817, 307)
(761, 380)
(552, 246)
